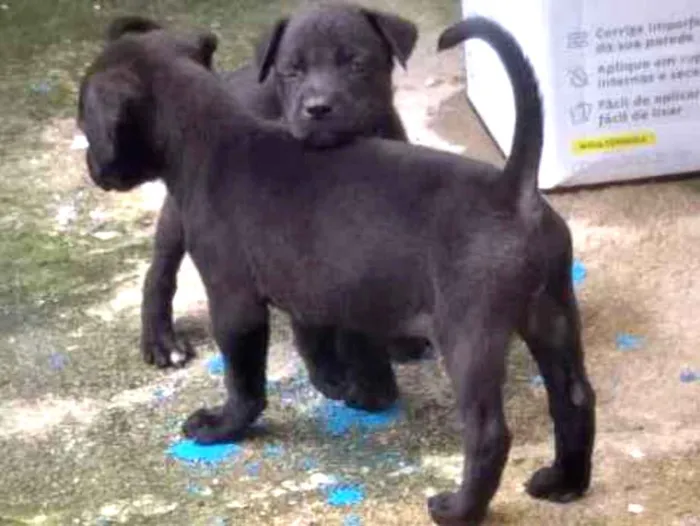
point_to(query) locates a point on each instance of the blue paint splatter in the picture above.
(337, 419)
(253, 469)
(57, 361)
(192, 453)
(688, 376)
(352, 520)
(628, 342)
(272, 451)
(342, 495)
(537, 381)
(215, 365)
(578, 272)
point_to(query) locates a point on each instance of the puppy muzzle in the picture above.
(105, 176)
(96, 172)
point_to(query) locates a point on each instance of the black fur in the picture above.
(378, 237)
(361, 103)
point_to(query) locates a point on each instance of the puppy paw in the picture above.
(373, 393)
(449, 509)
(164, 352)
(220, 424)
(552, 483)
(373, 402)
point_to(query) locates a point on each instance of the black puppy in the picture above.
(326, 71)
(378, 237)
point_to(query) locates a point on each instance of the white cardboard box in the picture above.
(620, 81)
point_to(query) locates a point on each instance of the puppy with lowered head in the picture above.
(376, 236)
(326, 72)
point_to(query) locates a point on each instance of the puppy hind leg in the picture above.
(242, 334)
(316, 346)
(476, 365)
(159, 344)
(553, 335)
(370, 380)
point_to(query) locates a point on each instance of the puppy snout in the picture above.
(317, 107)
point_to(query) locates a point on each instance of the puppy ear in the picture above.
(207, 44)
(266, 50)
(103, 111)
(399, 34)
(129, 24)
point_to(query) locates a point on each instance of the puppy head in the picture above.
(115, 106)
(333, 68)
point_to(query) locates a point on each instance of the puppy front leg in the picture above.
(159, 344)
(242, 333)
(477, 368)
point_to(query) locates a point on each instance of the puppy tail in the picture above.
(522, 166)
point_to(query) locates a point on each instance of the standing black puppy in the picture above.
(379, 237)
(325, 72)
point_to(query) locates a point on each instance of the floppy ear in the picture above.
(266, 50)
(207, 44)
(130, 24)
(399, 34)
(103, 112)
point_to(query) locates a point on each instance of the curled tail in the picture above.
(522, 166)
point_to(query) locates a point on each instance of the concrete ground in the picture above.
(90, 435)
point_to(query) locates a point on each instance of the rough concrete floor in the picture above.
(87, 432)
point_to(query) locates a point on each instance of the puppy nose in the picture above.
(317, 107)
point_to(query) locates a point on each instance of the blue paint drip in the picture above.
(689, 376)
(272, 451)
(192, 453)
(352, 520)
(337, 419)
(342, 495)
(215, 365)
(578, 272)
(628, 342)
(253, 469)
